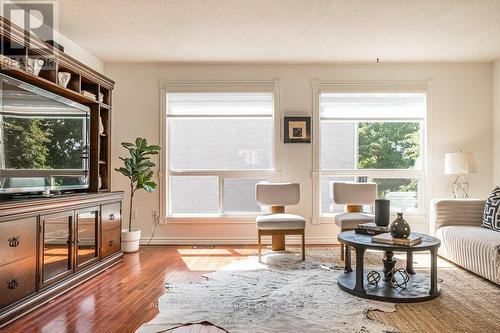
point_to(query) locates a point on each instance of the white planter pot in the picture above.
(130, 240)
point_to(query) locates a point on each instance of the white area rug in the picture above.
(282, 295)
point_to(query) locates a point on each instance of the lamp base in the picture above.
(460, 190)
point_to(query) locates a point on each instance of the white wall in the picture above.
(496, 123)
(71, 48)
(79, 53)
(461, 118)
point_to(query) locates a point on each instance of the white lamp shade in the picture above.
(462, 163)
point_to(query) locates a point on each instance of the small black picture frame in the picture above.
(297, 130)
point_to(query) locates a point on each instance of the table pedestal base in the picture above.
(389, 263)
(417, 289)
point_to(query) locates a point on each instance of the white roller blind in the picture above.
(373, 105)
(220, 104)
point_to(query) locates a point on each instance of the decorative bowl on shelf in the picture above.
(63, 79)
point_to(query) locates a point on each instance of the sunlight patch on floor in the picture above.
(200, 252)
(423, 260)
(212, 263)
(247, 251)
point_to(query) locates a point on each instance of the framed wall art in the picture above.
(297, 130)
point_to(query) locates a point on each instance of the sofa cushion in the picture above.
(474, 248)
(491, 216)
(280, 222)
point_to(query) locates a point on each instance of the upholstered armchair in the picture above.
(278, 223)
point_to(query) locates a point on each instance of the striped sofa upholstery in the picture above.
(457, 223)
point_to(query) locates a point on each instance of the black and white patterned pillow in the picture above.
(491, 216)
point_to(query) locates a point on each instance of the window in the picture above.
(372, 136)
(218, 146)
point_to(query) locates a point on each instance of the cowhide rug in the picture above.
(283, 294)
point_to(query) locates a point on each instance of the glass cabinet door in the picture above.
(56, 246)
(87, 222)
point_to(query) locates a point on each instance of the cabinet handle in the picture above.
(13, 283)
(111, 217)
(14, 241)
(111, 242)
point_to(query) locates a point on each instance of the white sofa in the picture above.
(457, 223)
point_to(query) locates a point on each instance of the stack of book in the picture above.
(370, 229)
(386, 238)
(88, 94)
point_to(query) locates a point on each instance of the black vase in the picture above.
(399, 228)
(382, 212)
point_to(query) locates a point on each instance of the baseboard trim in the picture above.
(232, 240)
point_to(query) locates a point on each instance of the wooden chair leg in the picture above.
(259, 241)
(303, 245)
(342, 248)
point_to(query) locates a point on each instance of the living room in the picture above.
(230, 157)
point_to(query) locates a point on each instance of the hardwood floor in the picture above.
(125, 296)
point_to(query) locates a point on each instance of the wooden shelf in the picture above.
(45, 84)
(83, 78)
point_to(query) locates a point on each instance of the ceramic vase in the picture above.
(399, 228)
(34, 65)
(101, 126)
(63, 78)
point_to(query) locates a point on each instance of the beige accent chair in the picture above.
(278, 223)
(354, 195)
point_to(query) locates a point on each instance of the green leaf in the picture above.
(127, 144)
(138, 166)
(124, 171)
(148, 175)
(149, 186)
(146, 164)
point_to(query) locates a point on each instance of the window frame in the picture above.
(272, 174)
(320, 87)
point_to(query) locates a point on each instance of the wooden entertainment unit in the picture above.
(50, 245)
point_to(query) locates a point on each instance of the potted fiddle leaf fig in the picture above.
(138, 168)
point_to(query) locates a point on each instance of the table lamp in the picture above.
(460, 164)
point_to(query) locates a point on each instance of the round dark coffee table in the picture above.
(420, 287)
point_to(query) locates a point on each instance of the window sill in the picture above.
(411, 217)
(210, 219)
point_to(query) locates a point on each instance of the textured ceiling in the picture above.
(284, 30)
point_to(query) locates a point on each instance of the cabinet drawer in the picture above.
(111, 215)
(17, 239)
(111, 228)
(110, 242)
(17, 280)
